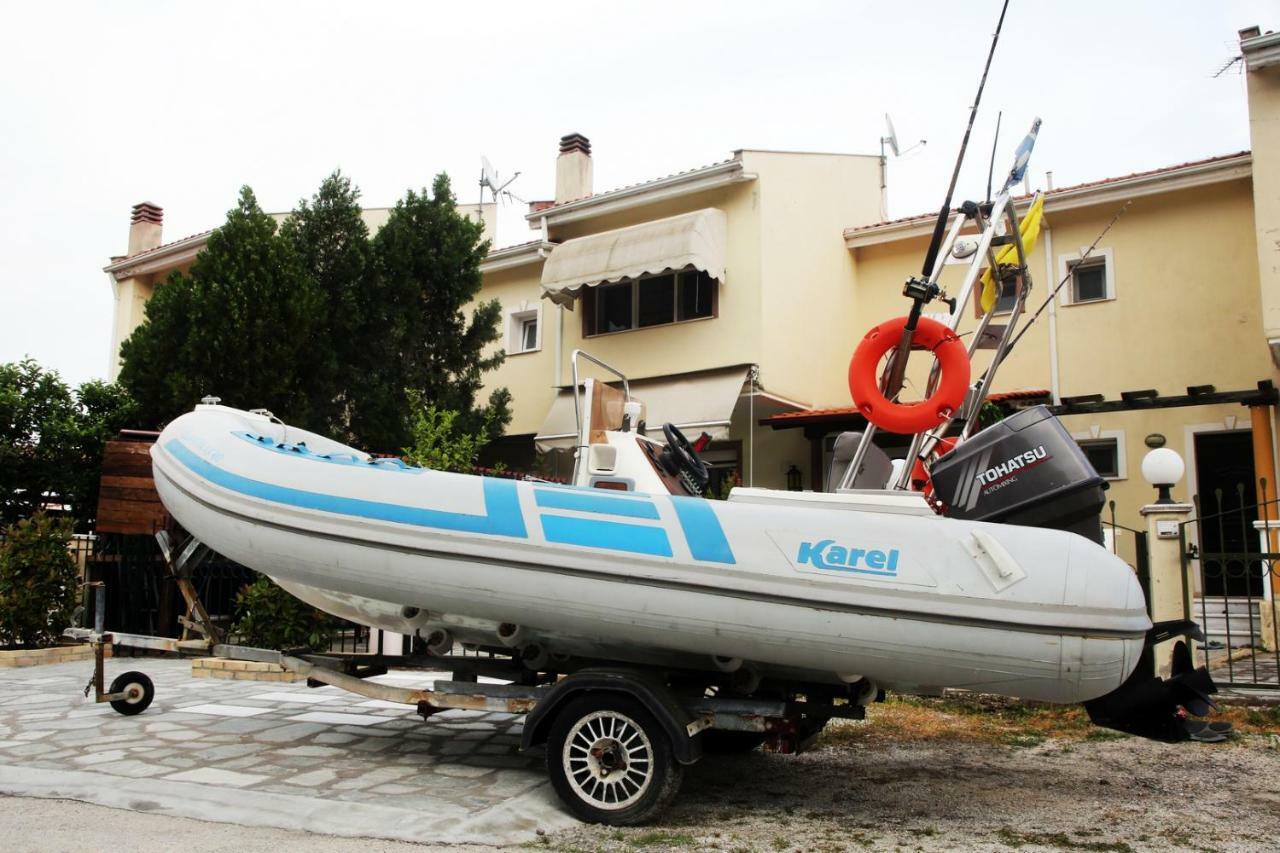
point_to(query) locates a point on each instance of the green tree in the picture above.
(242, 325)
(37, 438)
(51, 440)
(103, 409)
(427, 270)
(330, 330)
(331, 241)
(38, 581)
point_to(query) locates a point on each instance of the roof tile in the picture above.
(925, 217)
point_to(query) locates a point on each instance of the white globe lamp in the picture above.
(1163, 468)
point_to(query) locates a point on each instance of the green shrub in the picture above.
(441, 442)
(39, 581)
(267, 617)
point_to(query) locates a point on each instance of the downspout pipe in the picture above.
(1055, 381)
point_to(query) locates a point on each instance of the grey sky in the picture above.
(104, 105)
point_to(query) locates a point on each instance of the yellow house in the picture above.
(694, 286)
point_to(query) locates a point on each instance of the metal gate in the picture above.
(1229, 550)
(1118, 540)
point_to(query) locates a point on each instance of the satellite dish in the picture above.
(892, 138)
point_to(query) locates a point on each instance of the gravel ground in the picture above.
(919, 775)
(1087, 790)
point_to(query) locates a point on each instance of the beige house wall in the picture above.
(529, 376)
(1186, 306)
(131, 296)
(809, 312)
(1264, 132)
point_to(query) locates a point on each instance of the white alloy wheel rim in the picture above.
(608, 760)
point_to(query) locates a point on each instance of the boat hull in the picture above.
(920, 607)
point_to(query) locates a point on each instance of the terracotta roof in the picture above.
(168, 245)
(515, 246)
(638, 184)
(840, 412)
(925, 217)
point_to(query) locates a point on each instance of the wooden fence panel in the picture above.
(127, 498)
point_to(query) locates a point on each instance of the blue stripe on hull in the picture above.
(597, 503)
(703, 531)
(612, 535)
(502, 516)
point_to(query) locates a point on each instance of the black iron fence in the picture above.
(1230, 549)
(1130, 545)
(142, 597)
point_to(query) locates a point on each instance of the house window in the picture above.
(1091, 279)
(1105, 451)
(1088, 280)
(523, 330)
(1103, 455)
(650, 300)
(1008, 296)
(529, 334)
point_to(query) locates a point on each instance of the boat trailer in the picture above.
(617, 736)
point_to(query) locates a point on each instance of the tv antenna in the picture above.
(890, 139)
(490, 178)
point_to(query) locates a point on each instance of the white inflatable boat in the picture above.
(869, 587)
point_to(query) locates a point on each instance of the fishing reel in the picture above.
(922, 291)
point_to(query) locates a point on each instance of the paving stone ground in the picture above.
(278, 755)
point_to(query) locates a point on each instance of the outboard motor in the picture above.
(1161, 709)
(1026, 470)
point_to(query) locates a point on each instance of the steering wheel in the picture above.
(682, 460)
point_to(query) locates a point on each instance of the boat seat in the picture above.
(876, 465)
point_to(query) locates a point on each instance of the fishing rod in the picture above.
(924, 290)
(940, 226)
(991, 169)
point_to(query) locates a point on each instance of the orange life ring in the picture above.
(909, 418)
(919, 476)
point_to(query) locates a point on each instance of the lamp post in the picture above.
(1163, 468)
(1171, 585)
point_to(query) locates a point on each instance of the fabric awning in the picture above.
(695, 402)
(691, 239)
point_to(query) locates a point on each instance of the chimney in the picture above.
(573, 168)
(145, 226)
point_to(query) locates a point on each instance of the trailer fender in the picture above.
(681, 726)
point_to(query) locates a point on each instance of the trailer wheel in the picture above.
(139, 692)
(610, 761)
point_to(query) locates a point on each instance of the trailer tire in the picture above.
(610, 761)
(141, 692)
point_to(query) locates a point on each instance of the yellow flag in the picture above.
(1029, 228)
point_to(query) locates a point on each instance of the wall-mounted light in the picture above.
(1154, 440)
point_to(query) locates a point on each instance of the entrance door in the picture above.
(1228, 508)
